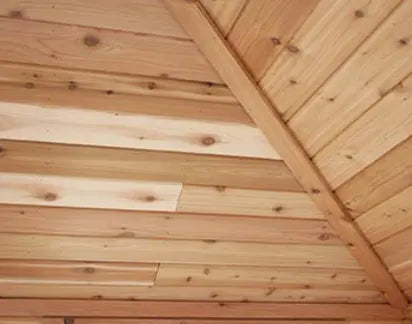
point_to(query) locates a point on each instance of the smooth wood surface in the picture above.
(98, 162)
(334, 105)
(323, 42)
(226, 63)
(381, 180)
(222, 200)
(167, 309)
(41, 190)
(50, 247)
(116, 223)
(130, 130)
(102, 50)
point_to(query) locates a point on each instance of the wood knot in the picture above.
(206, 271)
(89, 270)
(68, 320)
(293, 49)
(151, 85)
(359, 14)
(277, 209)
(150, 198)
(324, 237)
(213, 295)
(50, 196)
(333, 276)
(29, 85)
(91, 41)
(72, 85)
(293, 82)
(207, 141)
(109, 92)
(189, 279)
(348, 156)
(403, 41)
(220, 188)
(15, 14)
(270, 291)
(275, 41)
(209, 241)
(315, 191)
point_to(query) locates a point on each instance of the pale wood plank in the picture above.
(378, 65)
(109, 223)
(42, 273)
(12, 290)
(50, 247)
(264, 29)
(202, 321)
(277, 278)
(224, 12)
(325, 40)
(210, 310)
(221, 200)
(14, 320)
(388, 218)
(381, 128)
(98, 162)
(197, 24)
(42, 190)
(129, 130)
(381, 180)
(140, 16)
(102, 50)
(20, 74)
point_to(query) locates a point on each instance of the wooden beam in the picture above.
(195, 20)
(210, 310)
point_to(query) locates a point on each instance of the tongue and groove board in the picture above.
(129, 171)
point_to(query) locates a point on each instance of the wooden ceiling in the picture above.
(213, 161)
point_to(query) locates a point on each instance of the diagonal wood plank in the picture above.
(194, 19)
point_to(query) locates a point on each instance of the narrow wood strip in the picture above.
(140, 16)
(202, 321)
(16, 290)
(44, 190)
(179, 310)
(130, 130)
(40, 76)
(221, 200)
(277, 278)
(379, 181)
(16, 320)
(98, 162)
(117, 223)
(29, 272)
(50, 247)
(102, 50)
(197, 24)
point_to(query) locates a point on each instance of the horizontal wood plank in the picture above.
(116, 223)
(98, 162)
(101, 50)
(380, 63)
(28, 272)
(222, 200)
(41, 190)
(130, 130)
(50, 247)
(381, 180)
(210, 310)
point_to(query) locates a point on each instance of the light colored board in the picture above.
(381, 62)
(404, 276)
(14, 320)
(265, 28)
(325, 40)
(42, 273)
(197, 24)
(128, 130)
(98, 162)
(276, 278)
(210, 310)
(20, 74)
(141, 16)
(381, 180)
(224, 12)
(228, 321)
(188, 293)
(42, 190)
(381, 128)
(109, 223)
(102, 50)
(388, 218)
(221, 200)
(50, 247)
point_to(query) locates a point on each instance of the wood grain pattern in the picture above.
(41, 190)
(221, 200)
(325, 40)
(28, 272)
(379, 64)
(381, 180)
(376, 132)
(50, 247)
(210, 310)
(102, 50)
(388, 218)
(264, 29)
(130, 130)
